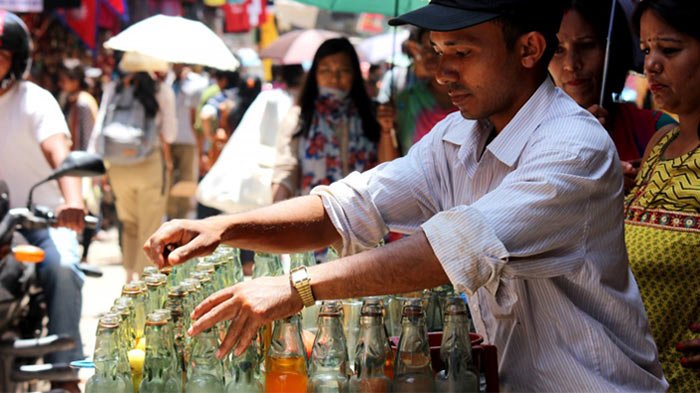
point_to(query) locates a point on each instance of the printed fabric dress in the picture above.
(335, 145)
(662, 233)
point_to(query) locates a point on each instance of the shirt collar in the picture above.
(510, 142)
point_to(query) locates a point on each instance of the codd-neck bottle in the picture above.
(161, 372)
(112, 373)
(373, 352)
(233, 269)
(135, 291)
(205, 373)
(148, 271)
(460, 374)
(412, 368)
(244, 372)
(157, 291)
(207, 288)
(179, 322)
(266, 265)
(329, 354)
(286, 362)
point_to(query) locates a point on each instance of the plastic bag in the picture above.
(241, 178)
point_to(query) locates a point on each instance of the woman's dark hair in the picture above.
(597, 14)
(145, 89)
(358, 94)
(681, 14)
(75, 72)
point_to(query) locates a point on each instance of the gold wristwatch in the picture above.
(302, 283)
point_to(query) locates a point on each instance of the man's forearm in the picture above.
(402, 266)
(297, 224)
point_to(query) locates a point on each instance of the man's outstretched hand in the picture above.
(178, 241)
(248, 305)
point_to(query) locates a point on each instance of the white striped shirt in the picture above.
(532, 231)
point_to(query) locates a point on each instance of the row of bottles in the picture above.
(142, 345)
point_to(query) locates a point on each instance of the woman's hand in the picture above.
(386, 115)
(248, 305)
(690, 350)
(629, 172)
(178, 241)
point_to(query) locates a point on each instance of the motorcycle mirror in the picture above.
(79, 164)
(76, 163)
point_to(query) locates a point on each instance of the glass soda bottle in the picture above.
(134, 291)
(329, 354)
(148, 271)
(205, 374)
(112, 372)
(243, 372)
(460, 374)
(161, 372)
(157, 291)
(286, 363)
(266, 264)
(372, 352)
(412, 369)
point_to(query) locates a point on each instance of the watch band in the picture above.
(303, 286)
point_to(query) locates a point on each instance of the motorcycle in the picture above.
(23, 316)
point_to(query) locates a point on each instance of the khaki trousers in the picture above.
(183, 170)
(141, 196)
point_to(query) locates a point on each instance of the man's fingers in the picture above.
(196, 247)
(212, 301)
(232, 336)
(168, 233)
(246, 338)
(224, 310)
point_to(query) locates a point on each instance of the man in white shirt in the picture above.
(33, 140)
(187, 86)
(516, 200)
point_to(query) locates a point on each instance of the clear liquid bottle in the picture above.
(205, 374)
(372, 351)
(112, 372)
(244, 372)
(134, 290)
(161, 371)
(460, 374)
(157, 291)
(148, 271)
(329, 354)
(286, 363)
(412, 368)
(266, 265)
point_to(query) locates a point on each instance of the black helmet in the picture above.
(14, 37)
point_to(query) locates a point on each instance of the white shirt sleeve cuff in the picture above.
(350, 208)
(468, 249)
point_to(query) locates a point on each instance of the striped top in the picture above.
(531, 230)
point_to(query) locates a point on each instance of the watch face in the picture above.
(298, 275)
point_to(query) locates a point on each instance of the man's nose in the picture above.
(446, 71)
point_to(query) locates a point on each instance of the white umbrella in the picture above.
(382, 47)
(175, 40)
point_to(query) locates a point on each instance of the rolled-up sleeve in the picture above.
(531, 225)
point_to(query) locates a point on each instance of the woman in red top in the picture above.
(577, 68)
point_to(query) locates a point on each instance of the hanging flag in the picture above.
(117, 7)
(82, 21)
(236, 18)
(22, 5)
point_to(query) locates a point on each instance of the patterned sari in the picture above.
(662, 233)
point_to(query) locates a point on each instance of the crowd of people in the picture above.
(570, 219)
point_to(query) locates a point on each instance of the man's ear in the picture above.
(413, 48)
(532, 48)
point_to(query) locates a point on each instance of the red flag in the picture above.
(236, 18)
(83, 22)
(118, 7)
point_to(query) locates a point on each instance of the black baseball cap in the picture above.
(448, 15)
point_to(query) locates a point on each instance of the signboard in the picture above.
(22, 5)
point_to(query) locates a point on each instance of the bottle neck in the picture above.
(329, 353)
(370, 357)
(456, 348)
(108, 354)
(286, 339)
(267, 265)
(414, 351)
